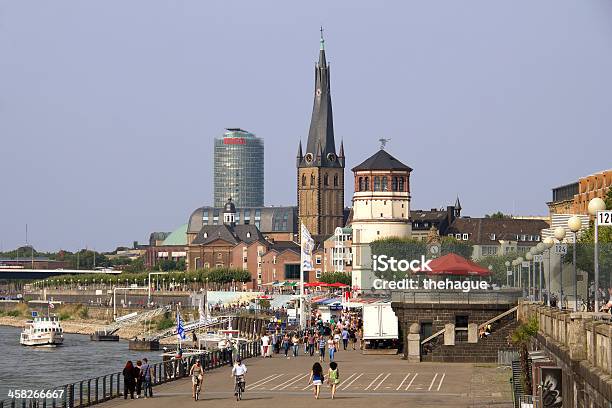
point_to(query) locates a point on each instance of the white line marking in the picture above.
(403, 381)
(411, 381)
(260, 380)
(351, 383)
(373, 381)
(267, 381)
(432, 382)
(441, 379)
(347, 379)
(285, 384)
(382, 381)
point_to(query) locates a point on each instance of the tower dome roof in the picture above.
(229, 206)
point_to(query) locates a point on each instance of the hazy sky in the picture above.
(108, 109)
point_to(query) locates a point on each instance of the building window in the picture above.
(312, 179)
(384, 184)
(318, 260)
(465, 237)
(335, 180)
(292, 271)
(394, 184)
(401, 184)
(457, 236)
(492, 237)
(318, 274)
(326, 180)
(536, 238)
(367, 184)
(360, 183)
(376, 183)
(303, 179)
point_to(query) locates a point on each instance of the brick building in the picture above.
(574, 198)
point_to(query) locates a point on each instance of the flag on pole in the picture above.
(180, 330)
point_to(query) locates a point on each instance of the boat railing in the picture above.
(106, 387)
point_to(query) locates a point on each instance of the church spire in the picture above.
(321, 123)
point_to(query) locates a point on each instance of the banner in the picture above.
(307, 248)
(180, 330)
(552, 387)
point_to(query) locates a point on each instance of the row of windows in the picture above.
(325, 180)
(492, 237)
(381, 183)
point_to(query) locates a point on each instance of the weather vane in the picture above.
(383, 143)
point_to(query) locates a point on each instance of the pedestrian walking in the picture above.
(345, 338)
(286, 344)
(265, 343)
(311, 343)
(321, 348)
(333, 377)
(337, 340)
(305, 341)
(331, 346)
(296, 344)
(129, 382)
(316, 379)
(147, 377)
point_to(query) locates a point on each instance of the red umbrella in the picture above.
(453, 264)
(338, 285)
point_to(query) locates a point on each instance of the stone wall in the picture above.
(444, 314)
(581, 344)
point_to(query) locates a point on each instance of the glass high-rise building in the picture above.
(239, 169)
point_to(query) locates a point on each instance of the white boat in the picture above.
(42, 331)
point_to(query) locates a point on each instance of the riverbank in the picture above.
(84, 327)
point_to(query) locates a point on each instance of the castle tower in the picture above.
(320, 171)
(381, 209)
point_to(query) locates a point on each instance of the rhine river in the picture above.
(77, 359)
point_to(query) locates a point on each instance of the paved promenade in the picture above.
(384, 381)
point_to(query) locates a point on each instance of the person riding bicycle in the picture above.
(239, 371)
(197, 375)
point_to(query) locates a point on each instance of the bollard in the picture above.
(80, 394)
(89, 392)
(104, 397)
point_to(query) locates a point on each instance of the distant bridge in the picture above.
(22, 273)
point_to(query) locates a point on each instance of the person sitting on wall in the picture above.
(481, 333)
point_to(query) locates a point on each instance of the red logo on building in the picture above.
(234, 140)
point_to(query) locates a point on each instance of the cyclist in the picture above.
(197, 376)
(239, 371)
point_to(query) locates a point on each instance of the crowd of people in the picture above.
(138, 378)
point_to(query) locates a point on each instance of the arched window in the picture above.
(312, 179)
(384, 184)
(401, 184)
(360, 183)
(325, 180)
(376, 183)
(367, 184)
(303, 179)
(394, 184)
(335, 180)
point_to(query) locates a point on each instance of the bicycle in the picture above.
(239, 387)
(198, 385)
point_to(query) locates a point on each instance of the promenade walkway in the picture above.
(382, 381)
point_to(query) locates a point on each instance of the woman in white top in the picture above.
(331, 346)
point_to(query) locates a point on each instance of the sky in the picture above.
(108, 109)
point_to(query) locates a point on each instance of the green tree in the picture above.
(521, 337)
(498, 264)
(499, 215)
(333, 277)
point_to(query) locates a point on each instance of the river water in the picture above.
(77, 359)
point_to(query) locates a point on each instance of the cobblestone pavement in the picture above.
(386, 381)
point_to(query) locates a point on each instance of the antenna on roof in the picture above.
(383, 143)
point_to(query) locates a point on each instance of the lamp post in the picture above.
(519, 262)
(541, 247)
(560, 235)
(529, 258)
(507, 263)
(574, 224)
(548, 243)
(596, 205)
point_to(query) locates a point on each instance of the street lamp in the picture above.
(574, 224)
(507, 263)
(541, 247)
(560, 236)
(519, 263)
(548, 243)
(529, 258)
(596, 205)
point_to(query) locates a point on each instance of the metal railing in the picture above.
(96, 390)
(496, 297)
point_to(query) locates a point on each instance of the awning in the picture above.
(453, 264)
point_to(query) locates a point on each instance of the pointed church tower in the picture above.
(320, 171)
